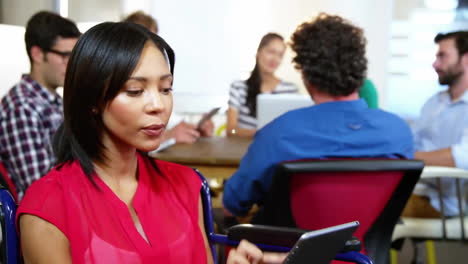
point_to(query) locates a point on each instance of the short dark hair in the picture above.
(43, 29)
(101, 62)
(141, 18)
(460, 37)
(330, 52)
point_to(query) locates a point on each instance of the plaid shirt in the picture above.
(29, 116)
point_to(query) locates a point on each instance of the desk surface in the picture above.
(218, 151)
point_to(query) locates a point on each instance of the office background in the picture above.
(215, 41)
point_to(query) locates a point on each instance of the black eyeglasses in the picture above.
(64, 54)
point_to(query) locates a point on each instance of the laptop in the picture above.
(270, 106)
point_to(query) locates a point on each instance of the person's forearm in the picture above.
(441, 157)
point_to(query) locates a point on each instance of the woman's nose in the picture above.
(154, 102)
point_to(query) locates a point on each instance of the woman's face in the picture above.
(269, 57)
(137, 116)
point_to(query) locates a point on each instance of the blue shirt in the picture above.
(443, 124)
(335, 129)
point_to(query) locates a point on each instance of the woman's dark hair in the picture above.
(101, 62)
(330, 53)
(254, 82)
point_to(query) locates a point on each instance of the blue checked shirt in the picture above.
(29, 116)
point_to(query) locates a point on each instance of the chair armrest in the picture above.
(10, 237)
(440, 171)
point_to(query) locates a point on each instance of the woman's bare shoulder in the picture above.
(42, 242)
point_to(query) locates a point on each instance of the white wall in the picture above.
(17, 12)
(94, 10)
(14, 60)
(215, 41)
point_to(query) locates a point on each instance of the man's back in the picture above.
(327, 130)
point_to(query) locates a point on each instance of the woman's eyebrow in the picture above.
(137, 78)
(144, 79)
(166, 76)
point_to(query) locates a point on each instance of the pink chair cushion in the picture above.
(325, 199)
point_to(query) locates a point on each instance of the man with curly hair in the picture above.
(330, 54)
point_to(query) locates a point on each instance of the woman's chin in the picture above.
(149, 147)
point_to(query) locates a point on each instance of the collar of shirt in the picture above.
(343, 105)
(444, 97)
(41, 91)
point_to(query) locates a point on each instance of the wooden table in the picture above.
(217, 158)
(214, 157)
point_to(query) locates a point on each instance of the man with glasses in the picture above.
(32, 110)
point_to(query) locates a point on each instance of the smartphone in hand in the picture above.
(207, 116)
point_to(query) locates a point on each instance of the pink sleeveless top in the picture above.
(98, 224)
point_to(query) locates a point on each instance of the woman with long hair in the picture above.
(106, 201)
(242, 111)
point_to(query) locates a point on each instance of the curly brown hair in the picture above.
(330, 53)
(141, 18)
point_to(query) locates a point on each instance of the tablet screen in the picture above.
(321, 246)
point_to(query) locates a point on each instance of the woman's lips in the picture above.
(154, 130)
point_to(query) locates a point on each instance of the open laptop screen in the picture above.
(270, 106)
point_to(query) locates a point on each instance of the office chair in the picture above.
(313, 194)
(348, 255)
(6, 182)
(444, 228)
(9, 241)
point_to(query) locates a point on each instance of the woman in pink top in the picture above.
(106, 201)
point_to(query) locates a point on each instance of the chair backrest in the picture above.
(313, 194)
(348, 256)
(9, 239)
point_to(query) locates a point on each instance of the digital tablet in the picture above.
(284, 237)
(321, 246)
(266, 235)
